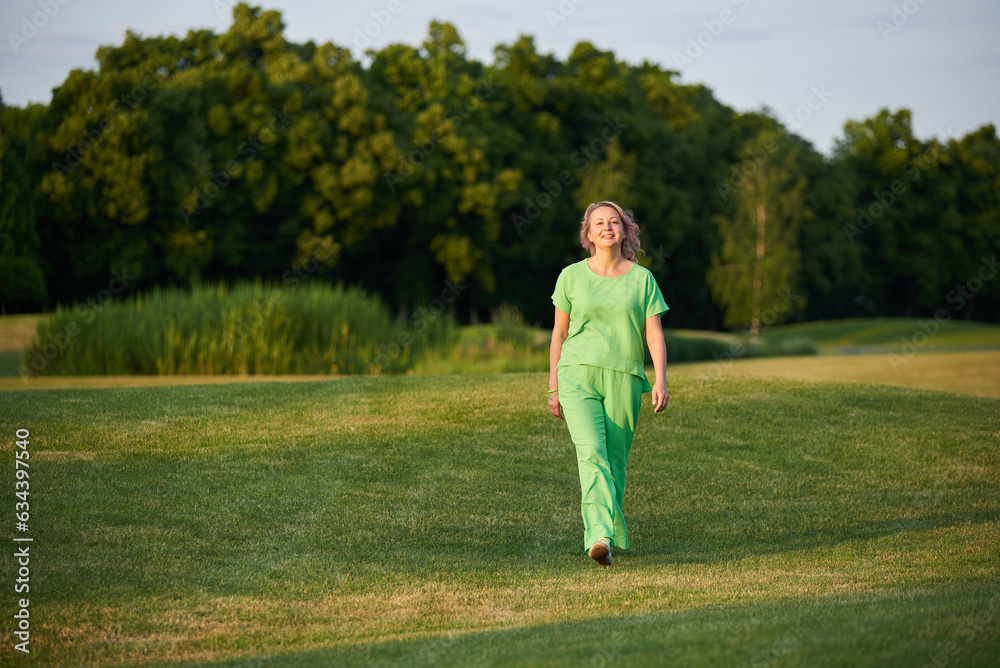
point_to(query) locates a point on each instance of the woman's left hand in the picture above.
(660, 397)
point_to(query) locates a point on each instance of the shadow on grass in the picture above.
(678, 552)
(478, 527)
(839, 630)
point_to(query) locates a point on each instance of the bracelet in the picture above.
(555, 390)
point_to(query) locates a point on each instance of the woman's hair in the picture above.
(630, 244)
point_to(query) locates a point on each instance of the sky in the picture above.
(815, 63)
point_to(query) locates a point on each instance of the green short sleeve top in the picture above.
(607, 317)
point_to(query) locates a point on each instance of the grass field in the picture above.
(434, 520)
(889, 334)
(975, 373)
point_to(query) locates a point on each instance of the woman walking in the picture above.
(605, 306)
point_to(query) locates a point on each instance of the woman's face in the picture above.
(606, 229)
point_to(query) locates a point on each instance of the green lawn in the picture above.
(879, 334)
(434, 520)
(975, 373)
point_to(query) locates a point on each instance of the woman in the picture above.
(605, 306)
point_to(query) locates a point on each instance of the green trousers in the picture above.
(601, 407)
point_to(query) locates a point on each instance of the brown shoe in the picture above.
(601, 552)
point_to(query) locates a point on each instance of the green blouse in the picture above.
(607, 317)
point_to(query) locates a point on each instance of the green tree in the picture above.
(831, 273)
(21, 280)
(893, 177)
(758, 264)
(609, 179)
(969, 211)
(240, 155)
(446, 191)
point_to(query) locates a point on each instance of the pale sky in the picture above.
(845, 58)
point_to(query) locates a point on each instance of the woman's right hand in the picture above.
(554, 407)
(559, 333)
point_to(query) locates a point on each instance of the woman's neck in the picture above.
(607, 260)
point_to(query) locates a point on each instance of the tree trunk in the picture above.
(970, 308)
(758, 273)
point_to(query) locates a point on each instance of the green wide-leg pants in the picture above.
(601, 407)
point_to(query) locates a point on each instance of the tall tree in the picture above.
(242, 155)
(970, 218)
(21, 281)
(754, 273)
(893, 177)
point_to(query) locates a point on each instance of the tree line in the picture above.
(237, 156)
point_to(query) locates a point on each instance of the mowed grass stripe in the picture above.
(208, 523)
(975, 373)
(890, 334)
(943, 622)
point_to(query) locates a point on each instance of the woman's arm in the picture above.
(657, 351)
(559, 333)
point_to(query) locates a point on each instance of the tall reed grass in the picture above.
(310, 329)
(247, 329)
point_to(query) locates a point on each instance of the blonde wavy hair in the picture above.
(630, 244)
